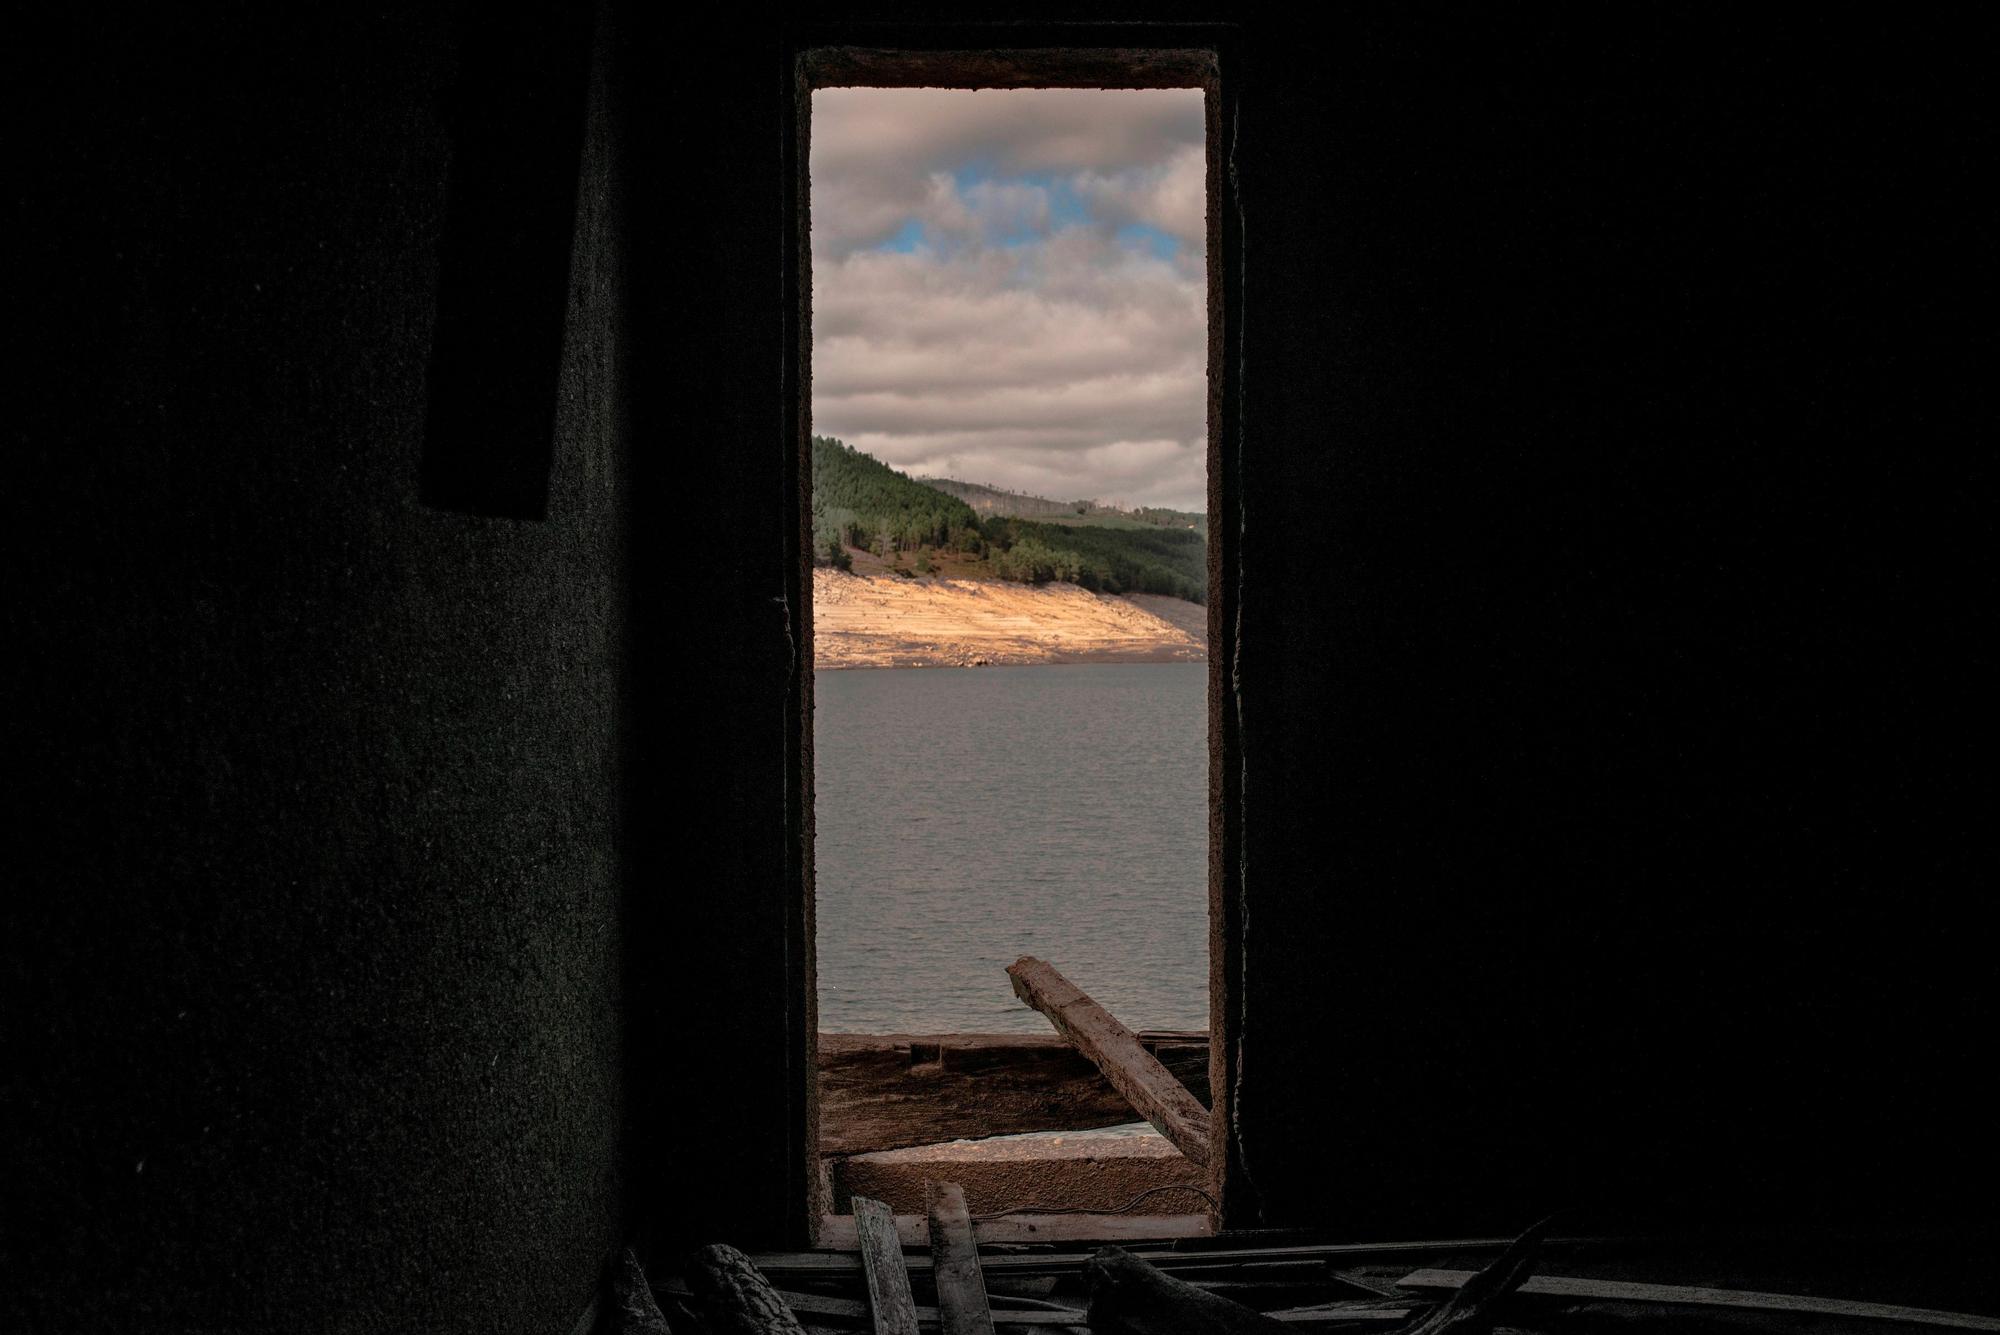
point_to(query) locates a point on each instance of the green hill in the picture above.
(859, 502)
(1173, 561)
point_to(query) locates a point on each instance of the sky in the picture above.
(1009, 287)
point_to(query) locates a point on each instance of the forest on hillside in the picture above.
(1114, 560)
(1020, 505)
(859, 502)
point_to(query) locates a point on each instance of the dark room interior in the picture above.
(409, 655)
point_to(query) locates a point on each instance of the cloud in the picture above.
(1009, 286)
(876, 151)
(1171, 196)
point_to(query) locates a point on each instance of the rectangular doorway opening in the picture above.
(1009, 421)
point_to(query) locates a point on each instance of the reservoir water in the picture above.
(968, 817)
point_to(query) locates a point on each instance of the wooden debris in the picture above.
(824, 1312)
(837, 1231)
(819, 1307)
(1343, 1313)
(882, 1262)
(1676, 1295)
(1152, 1091)
(633, 1308)
(835, 1264)
(961, 1289)
(891, 1091)
(1128, 1295)
(734, 1297)
(1472, 1310)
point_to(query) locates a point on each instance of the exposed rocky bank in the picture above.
(892, 621)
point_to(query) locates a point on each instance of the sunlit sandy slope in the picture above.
(891, 621)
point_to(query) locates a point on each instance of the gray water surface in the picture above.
(967, 817)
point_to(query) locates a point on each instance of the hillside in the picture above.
(864, 509)
(1011, 504)
(859, 501)
(997, 501)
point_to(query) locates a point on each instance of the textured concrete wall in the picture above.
(316, 880)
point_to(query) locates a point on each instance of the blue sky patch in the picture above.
(907, 238)
(1158, 244)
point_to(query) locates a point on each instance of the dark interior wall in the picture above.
(313, 897)
(1608, 648)
(720, 1014)
(1606, 656)
(1611, 562)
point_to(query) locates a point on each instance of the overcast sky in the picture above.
(1008, 287)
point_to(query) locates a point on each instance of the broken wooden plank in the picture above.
(1127, 1295)
(734, 1297)
(1472, 1309)
(837, 1231)
(961, 1289)
(1152, 1091)
(882, 1262)
(890, 1091)
(1676, 1295)
(1340, 1313)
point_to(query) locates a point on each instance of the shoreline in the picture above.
(869, 621)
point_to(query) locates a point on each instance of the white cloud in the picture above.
(1007, 347)
(876, 151)
(1171, 196)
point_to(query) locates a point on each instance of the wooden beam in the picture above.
(882, 1263)
(821, 1307)
(1075, 67)
(961, 1289)
(1129, 1296)
(1676, 1295)
(1340, 1314)
(1152, 1091)
(837, 1231)
(891, 1091)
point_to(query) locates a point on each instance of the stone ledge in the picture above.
(1061, 1170)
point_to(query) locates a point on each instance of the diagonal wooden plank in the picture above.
(1470, 1311)
(1148, 1086)
(1129, 1296)
(882, 1262)
(961, 1289)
